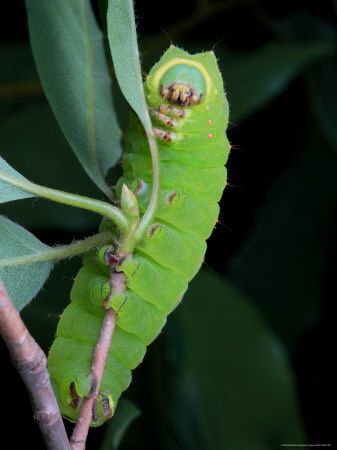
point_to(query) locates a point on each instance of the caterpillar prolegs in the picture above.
(189, 110)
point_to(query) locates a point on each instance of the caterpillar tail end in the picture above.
(70, 402)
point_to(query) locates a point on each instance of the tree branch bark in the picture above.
(80, 432)
(31, 363)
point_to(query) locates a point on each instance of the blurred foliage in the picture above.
(224, 385)
(323, 95)
(219, 376)
(125, 414)
(283, 264)
(252, 83)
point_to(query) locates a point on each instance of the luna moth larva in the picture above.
(189, 109)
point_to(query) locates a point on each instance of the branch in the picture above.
(31, 363)
(67, 198)
(79, 436)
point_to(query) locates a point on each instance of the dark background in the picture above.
(276, 240)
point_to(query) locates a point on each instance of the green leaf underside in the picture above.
(22, 282)
(124, 50)
(8, 192)
(125, 414)
(69, 52)
(245, 392)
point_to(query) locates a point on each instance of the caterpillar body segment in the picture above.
(189, 112)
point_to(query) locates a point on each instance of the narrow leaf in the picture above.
(22, 282)
(124, 51)
(8, 192)
(69, 52)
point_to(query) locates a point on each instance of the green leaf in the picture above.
(230, 386)
(27, 128)
(253, 79)
(126, 413)
(323, 95)
(69, 52)
(125, 56)
(22, 282)
(8, 192)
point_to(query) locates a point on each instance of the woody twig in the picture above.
(80, 432)
(31, 363)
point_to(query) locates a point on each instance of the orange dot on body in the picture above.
(210, 135)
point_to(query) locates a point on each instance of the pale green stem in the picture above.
(61, 252)
(78, 201)
(154, 199)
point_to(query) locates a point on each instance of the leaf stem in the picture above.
(60, 252)
(154, 199)
(78, 201)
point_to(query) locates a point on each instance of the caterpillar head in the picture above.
(183, 84)
(183, 79)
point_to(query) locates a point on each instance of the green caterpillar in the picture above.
(187, 102)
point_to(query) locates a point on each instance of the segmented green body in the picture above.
(193, 150)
